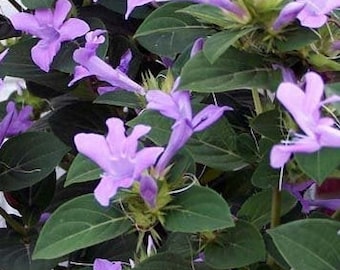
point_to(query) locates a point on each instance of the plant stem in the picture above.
(276, 208)
(257, 101)
(12, 222)
(275, 219)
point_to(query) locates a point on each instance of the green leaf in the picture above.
(232, 70)
(196, 210)
(219, 43)
(309, 244)
(168, 261)
(207, 147)
(257, 209)
(264, 175)
(35, 4)
(323, 63)
(77, 224)
(121, 98)
(320, 164)
(296, 39)
(333, 89)
(179, 243)
(18, 63)
(82, 170)
(235, 247)
(28, 158)
(268, 124)
(15, 254)
(167, 32)
(208, 14)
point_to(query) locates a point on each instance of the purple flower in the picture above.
(336, 45)
(305, 193)
(117, 155)
(224, 4)
(102, 264)
(148, 190)
(304, 106)
(4, 125)
(52, 29)
(177, 106)
(90, 64)
(197, 47)
(20, 120)
(288, 74)
(310, 13)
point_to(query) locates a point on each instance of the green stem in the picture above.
(13, 223)
(276, 208)
(257, 101)
(275, 219)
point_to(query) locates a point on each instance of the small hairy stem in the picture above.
(12, 222)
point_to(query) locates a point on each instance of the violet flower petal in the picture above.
(146, 158)
(148, 190)
(89, 144)
(25, 22)
(162, 102)
(5, 123)
(43, 54)
(208, 116)
(332, 204)
(108, 186)
(281, 153)
(288, 14)
(101, 264)
(181, 132)
(72, 29)
(197, 47)
(21, 121)
(125, 61)
(62, 8)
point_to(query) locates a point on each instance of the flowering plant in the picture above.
(171, 135)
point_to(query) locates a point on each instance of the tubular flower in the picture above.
(52, 28)
(177, 106)
(306, 194)
(118, 157)
(304, 106)
(15, 122)
(90, 64)
(310, 13)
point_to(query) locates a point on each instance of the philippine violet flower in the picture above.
(15, 122)
(304, 106)
(177, 106)
(102, 264)
(118, 157)
(307, 194)
(52, 28)
(310, 13)
(224, 4)
(91, 65)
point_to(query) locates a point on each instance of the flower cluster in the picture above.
(305, 108)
